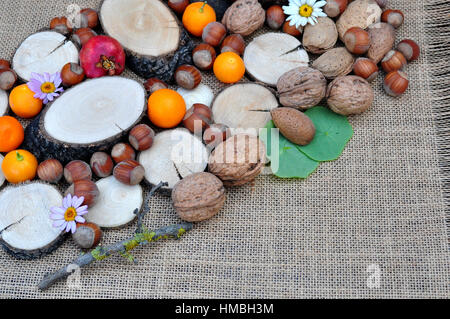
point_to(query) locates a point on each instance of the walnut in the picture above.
(335, 62)
(350, 94)
(320, 37)
(302, 88)
(238, 160)
(244, 17)
(198, 197)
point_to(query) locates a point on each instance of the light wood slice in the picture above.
(174, 155)
(116, 204)
(89, 117)
(244, 106)
(26, 228)
(151, 35)
(201, 94)
(2, 177)
(46, 51)
(271, 55)
(3, 102)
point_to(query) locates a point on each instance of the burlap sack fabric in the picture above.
(378, 212)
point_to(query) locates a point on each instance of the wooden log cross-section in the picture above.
(89, 117)
(3, 102)
(26, 230)
(151, 35)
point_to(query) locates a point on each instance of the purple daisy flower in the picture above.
(45, 86)
(69, 214)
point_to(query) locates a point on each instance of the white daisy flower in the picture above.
(302, 12)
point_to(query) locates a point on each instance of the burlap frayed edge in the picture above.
(437, 29)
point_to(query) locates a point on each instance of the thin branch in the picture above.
(146, 208)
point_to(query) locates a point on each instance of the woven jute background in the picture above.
(378, 212)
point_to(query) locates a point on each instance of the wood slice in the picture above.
(46, 51)
(3, 102)
(116, 204)
(151, 35)
(271, 55)
(2, 177)
(201, 94)
(26, 228)
(174, 155)
(244, 106)
(89, 117)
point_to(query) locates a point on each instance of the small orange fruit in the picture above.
(196, 16)
(23, 103)
(19, 166)
(166, 108)
(229, 67)
(11, 133)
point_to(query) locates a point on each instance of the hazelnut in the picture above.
(188, 76)
(60, 25)
(86, 188)
(216, 134)
(291, 29)
(294, 125)
(129, 172)
(365, 68)
(393, 17)
(238, 160)
(71, 74)
(50, 170)
(89, 18)
(334, 8)
(141, 137)
(393, 61)
(81, 36)
(214, 33)
(101, 164)
(357, 40)
(87, 235)
(198, 197)
(197, 118)
(350, 94)
(178, 6)
(76, 171)
(244, 17)
(409, 49)
(155, 84)
(4, 64)
(275, 17)
(8, 78)
(204, 56)
(122, 151)
(233, 43)
(301, 88)
(395, 83)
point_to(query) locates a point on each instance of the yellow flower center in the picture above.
(70, 214)
(48, 87)
(305, 11)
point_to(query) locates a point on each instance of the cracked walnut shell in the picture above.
(198, 197)
(238, 160)
(348, 95)
(301, 88)
(244, 17)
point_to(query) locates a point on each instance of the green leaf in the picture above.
(333, 131)
(287, 161)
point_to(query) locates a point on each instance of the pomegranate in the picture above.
(102, 55)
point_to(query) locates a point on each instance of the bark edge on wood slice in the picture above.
(174, 155)
(167, 44)
(87, 118)
(45, 51)
(244, 106)
(270, 55)
(116, 204)
(27, 231)
(3, 102)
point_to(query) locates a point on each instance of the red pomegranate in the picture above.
(102, 55)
